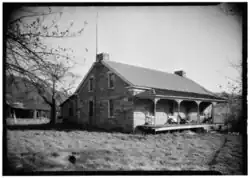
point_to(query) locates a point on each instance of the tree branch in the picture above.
(33, 15)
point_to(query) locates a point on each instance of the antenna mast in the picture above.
(96, 33)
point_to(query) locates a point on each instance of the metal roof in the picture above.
(28, 105)
(145, 77)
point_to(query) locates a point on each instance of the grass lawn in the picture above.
(49, 150)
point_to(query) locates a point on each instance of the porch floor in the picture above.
(158, 128)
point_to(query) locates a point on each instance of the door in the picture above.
(91, 112)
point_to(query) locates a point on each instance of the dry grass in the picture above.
(28, 121)
(49, 150)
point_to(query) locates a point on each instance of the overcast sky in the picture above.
(199, 40)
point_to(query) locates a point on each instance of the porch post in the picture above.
(198, 111)
(213, 105)
(34, 114)
(155, 102)
(178, 109)
(14, 116)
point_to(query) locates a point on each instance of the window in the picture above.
(91, 83)
(91, 108)
(110, 108)
(111, 80)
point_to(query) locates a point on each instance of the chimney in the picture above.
(102, 56)
(180, 73)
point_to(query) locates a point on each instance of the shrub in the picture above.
(235, 120)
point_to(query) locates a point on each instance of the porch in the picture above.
(163, 113)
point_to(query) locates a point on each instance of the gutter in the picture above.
(191, 98)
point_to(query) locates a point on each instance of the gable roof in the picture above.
(145, 77)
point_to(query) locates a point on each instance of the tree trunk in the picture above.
(53, 112)
(53, 108)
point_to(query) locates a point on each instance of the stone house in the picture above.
(119, 96)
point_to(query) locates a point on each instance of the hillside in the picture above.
(18, 89)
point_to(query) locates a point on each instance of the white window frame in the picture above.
(109, 80)
(109, 108)
(92, 77)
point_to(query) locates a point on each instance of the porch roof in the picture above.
(160, 93)
(28, 105)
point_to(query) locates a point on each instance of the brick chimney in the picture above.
(102, 56)
(180, 73)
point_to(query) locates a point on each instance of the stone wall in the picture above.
(84, 96)
(123, 105)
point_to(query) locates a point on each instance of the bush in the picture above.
(235, 121)
(236, 124)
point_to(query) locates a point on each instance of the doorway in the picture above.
(91, 111)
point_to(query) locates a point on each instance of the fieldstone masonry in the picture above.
(123, 104)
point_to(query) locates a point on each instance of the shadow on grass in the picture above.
(87, 160)
(60, 127)
(214, 161)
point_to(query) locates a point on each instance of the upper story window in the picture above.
(111, 80)
(91, 83)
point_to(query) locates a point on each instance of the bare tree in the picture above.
(28, 54)
(235, 85)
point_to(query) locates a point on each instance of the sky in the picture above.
(202, 41)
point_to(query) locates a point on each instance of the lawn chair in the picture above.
(149, 119)
(172, 119)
